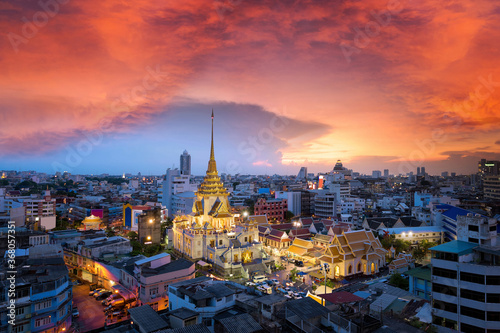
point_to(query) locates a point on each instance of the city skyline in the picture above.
(394, 85)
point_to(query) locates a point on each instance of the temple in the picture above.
(210, 232)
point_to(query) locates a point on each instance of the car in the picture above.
(75, 312)
(102, 296)
(102, 292)
(92, 292)
(274, 282)
(283, 258)
(299, 263)
(250, 284)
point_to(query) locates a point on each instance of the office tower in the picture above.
(386, 173)
(185, 164)
(422, 169)
(302, 173)
(418, 171)
(376, 174)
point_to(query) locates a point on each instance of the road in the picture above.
(91, 314)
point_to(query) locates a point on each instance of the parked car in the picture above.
(299, 263)
(110, 298)
(102, 292)
(92, 292)
(103, 295)
(283, 258)
(265, 289)
(75, 312)
(274, 282)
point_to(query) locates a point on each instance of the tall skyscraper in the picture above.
(386, 173)
(302, 173)
(422, 170)
(376, 174)
(185, 164)
(418, 171)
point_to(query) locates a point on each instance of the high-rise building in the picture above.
(185, 163)
(465, 283)
(418, 171)
(444, 174)
(376, 174)
(489, 168)
(422, 170)
(491, 187)
(386, 173)
(302, 173)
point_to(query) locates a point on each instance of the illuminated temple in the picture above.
(210, 233)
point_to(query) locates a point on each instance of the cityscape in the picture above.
(241, 166)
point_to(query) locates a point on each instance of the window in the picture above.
(473, 295)
(42, 321)
(473, 240)
(442, 289)
(62, 312)
(446, 273)
(43, 305)
(470, 312)
(445, 256)
(492, 316)
(471, 277)
(466, 328)
(220, 242)
(153, 291)
(450, 307)
(18, 329)
(493, 228)
(493, 298)
(473, 228)
(492, 280)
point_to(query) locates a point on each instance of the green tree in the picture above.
(132, 235)
(289, 215)
(397, 280)
(4, 182)
(109, 232)
(293, 274)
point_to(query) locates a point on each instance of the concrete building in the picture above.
(302, 175)
(420, 281)
(43, 295)
(150, 278)
(325, 204)
(376, 174)
(491, 187)
(175, 183)
(39, 213)
(185, 163)
(293, 200)
(466, 287)
(274, 209)
(149, 226)
(205, 296)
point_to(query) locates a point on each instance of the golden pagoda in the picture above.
(211, 208)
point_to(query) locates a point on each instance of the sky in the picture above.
(116, 86)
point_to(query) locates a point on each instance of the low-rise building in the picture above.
(205, 296)
(420, 281)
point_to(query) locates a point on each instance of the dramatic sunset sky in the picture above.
(126, 85)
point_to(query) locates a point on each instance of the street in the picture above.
(91, 314)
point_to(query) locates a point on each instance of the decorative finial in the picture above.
(211, 164)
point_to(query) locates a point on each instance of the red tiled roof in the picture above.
(340, 297)
(283, 226)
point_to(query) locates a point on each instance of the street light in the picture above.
(326, 269)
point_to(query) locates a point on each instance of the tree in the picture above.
(398, 281)
(109, 232)
(132, 235)
(289, 215)
(293, 274)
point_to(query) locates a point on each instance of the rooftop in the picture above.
(147, 318)
(340, 297)
(456, 246)
(423, 272)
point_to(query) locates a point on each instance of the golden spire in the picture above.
(212, 184)
(212, 166)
